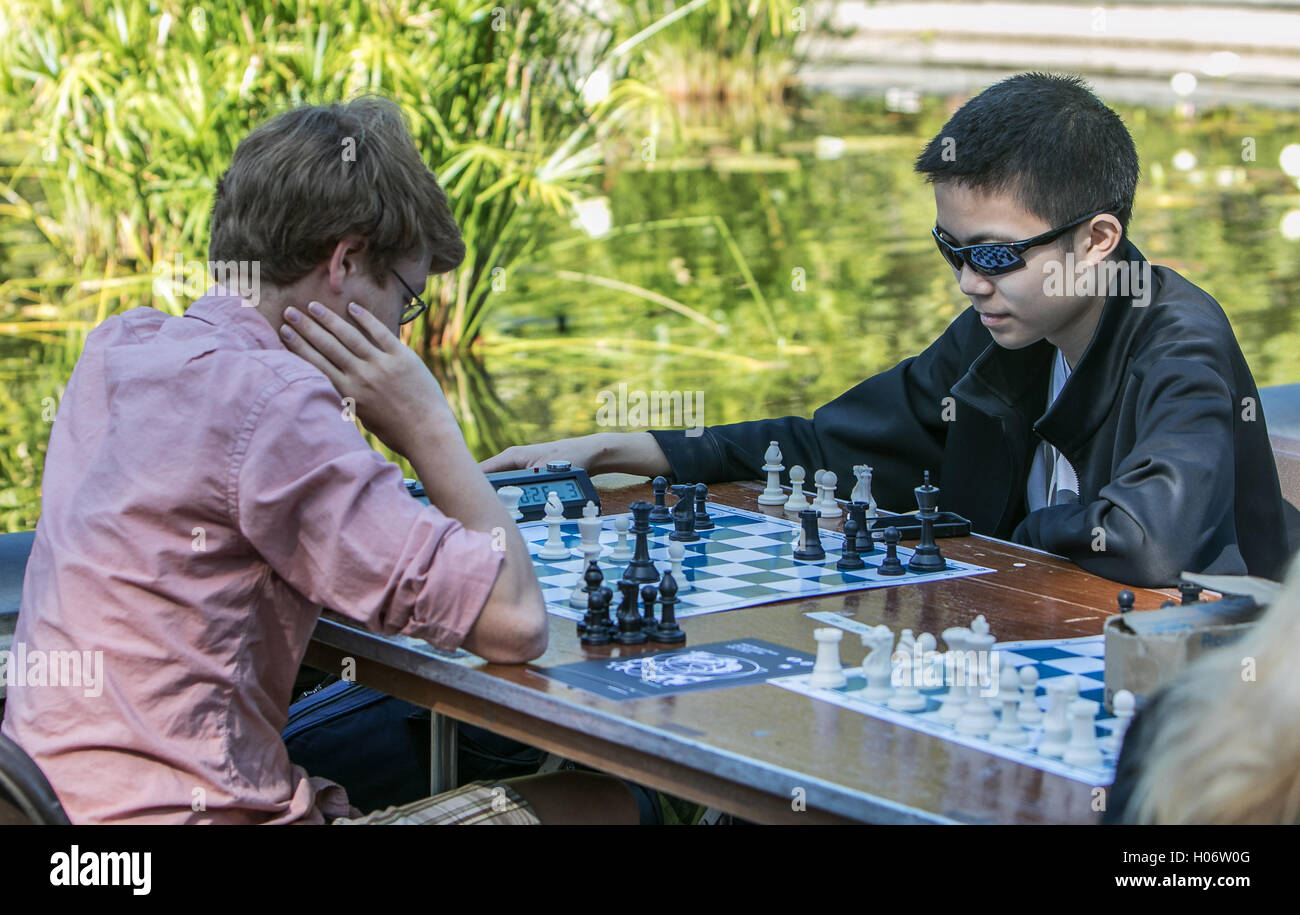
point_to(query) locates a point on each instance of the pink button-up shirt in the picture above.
(203, 498)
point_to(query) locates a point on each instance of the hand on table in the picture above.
(603, 452)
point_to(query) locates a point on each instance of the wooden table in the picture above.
(761, 752)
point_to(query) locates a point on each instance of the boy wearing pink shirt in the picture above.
(205, 495)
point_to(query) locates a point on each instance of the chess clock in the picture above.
(571, 484)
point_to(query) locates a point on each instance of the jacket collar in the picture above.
(1002, 381)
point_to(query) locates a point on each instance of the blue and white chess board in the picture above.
(745, 560)
(1054, 658)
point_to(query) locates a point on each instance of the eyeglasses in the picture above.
(415, 307)
(1002, 257)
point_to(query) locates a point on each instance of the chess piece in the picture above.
(1082, 750)
(977, 714)
(1029, 712)
(629, 619)
(908, 659)
(829, 508)
(553, 549)
(849, 558)
(702, 520)
(1056, 726)
(660, 510)
(676, 555)
(810, 546)
(1190, 592)
(891, 564)
(649, 625)
(510, 496)
(668, 631)
(926, 557)
(597, 629)
(858, 512)
(1008, 731)
(797, 501)
(1124, 704)
(772, 494)
(683, 516)
(878, 666)
(641, 570)
(593, 577)
(589, 528)
(622, 551)
(827, 672)
(956, 674)
(1125, 599)
(862, 489)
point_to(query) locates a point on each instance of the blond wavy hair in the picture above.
(1224, 744)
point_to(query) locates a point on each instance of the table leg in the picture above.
(442, 753)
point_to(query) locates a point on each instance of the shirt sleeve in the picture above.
(333, 519)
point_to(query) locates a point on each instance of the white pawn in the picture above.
(622, 549)
(827, 673)
(554, 547)
(510, 496)
(797, 502)
(1082, 750)
(1029, 712)
(1125, 704)
(829, 507)
(878, 667)
(1009, 732)
(909, 659)
(1056, 726)
(1008, 681)
(676, 553)
(772, 466)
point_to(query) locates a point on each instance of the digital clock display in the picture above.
(535, 493)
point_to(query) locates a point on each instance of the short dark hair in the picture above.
(1044, 138)
(308, 178)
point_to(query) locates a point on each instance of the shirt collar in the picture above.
(221, 307)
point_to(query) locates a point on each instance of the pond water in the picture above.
(778, 261)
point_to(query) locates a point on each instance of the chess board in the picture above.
(1055, 658)
(745, 560)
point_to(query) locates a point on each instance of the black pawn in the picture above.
(629, 619)
(858, 512)
(1125, 601)
(812, 550)
(649, 594)
(702, 520)
(849, 558)
(641, 569)
(668, 630)
(1191, 593)
(597, 631)
(926, 557)
(660, 511)
(593, 578)
(683, 516)
(891, 565)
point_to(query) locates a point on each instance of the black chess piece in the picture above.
(1125, 599)
(649, 594)
(668, 631)
(597, 631)
(849, 558)
(891, 565)
(926, 557)
(683, 516)
(641, 569)
(1191, 593)
(592, 578)
(629, 618)
(858, 512)
(811, 550)
(660, 511)
(702, 520)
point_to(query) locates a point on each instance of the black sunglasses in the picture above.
(1002, 257)
(415, 307)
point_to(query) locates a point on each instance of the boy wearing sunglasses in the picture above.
(1087, 403)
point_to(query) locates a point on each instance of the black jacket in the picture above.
(1161, 419)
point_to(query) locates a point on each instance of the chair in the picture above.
(24, 790)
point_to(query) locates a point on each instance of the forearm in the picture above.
(627, 452)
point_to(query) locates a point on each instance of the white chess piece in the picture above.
(1125, 705)
(1008, 681)
(878, 667)
(622, 549)
(1082, 750)
(1009, 732)
(554, 547)
(862, 489)
(1056, 726)
(589, 527)
(772, 466)
(510, 496)
(677, 553)
(827, 673)
(797, 501)
(955, 674)
(829, 507)
(1029, 712)
(977, 716)
(909, 659)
